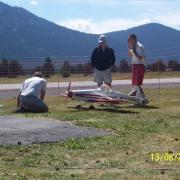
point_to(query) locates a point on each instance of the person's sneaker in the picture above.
(142, 103)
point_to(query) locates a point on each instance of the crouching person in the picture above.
(32, 95)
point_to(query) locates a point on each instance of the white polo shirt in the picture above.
(33, 86)
(140, 51)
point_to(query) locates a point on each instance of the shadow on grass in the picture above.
(104, 109)
(146, 107)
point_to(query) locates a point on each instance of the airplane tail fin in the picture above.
(133, 92)
(136, 91)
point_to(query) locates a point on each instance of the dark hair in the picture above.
(37, 74)
(133, 36)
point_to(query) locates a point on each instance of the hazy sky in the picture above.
(99, 16)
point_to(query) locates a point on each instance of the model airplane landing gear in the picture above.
(91, 107)
(79, 107)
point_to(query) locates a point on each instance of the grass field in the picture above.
(81, 77)
(138, 133)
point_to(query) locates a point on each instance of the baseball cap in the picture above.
(102, 38)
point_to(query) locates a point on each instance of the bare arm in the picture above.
(130, 53)
(18, 98)
(43, 90)
(139, 57)
(43, 93)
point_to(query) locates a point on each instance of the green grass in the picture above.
(81, 77)
(126, 154)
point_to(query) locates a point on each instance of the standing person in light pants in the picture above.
(102, 60)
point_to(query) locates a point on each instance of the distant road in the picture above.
(162, 81)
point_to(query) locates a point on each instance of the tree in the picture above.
(15, 69)
(158, 66)
(87, 69)
(66, 69)
(114, 68)
(4, 68)
(48, 68)
(173, 65)
(38, 68)
(148, 67)
(79, 68)
(124, 66)
(21, 71)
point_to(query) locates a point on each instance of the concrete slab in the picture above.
(26, 131)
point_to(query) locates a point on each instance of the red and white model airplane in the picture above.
(105, 94)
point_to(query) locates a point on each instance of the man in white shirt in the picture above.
(32, 94)
(136, 51)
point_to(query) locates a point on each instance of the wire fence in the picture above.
(159, 63)
(66, 68)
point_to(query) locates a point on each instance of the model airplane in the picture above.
(105, 94)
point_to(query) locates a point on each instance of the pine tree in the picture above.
(158, 66)
(66, 69)
(4, 68)
(15, 69)
(124, 66)
(48, 68)
(173, 65)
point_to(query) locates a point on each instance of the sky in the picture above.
(101, 16)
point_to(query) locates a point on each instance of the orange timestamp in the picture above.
(166, 157)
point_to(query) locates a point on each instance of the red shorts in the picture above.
(138, 71)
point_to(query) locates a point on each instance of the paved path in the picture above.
(12, 90)
(27, 131)
(92, 84)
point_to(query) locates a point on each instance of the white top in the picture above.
(33, 86)
(140, 52)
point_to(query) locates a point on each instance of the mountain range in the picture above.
(24, 35)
